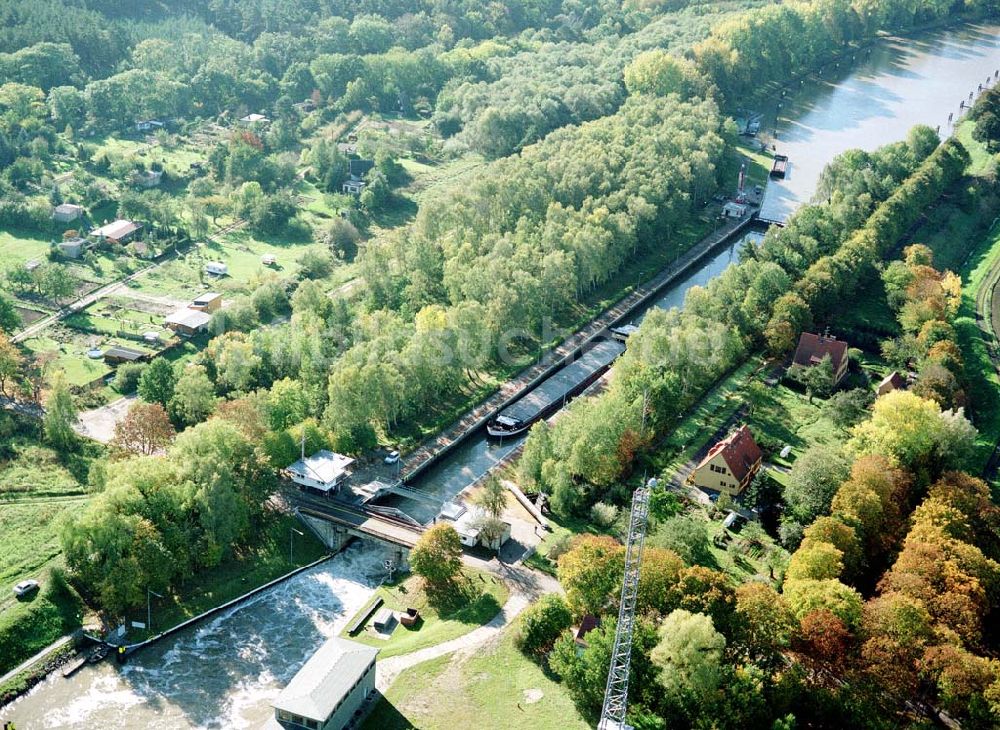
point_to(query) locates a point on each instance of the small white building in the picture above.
(216, 268)
(734, 210)
(146, 178)
(67, 212)
(148, 125)
(72, 248)
(254, 119)
(467, 522)
(269, 259)
(330, 689)
(324, 470)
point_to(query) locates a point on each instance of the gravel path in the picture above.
(526, 587)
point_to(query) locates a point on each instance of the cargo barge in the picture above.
(552, 392)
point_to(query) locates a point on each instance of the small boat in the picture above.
(780, 166)
(73, 666)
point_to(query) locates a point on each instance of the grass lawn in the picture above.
(787, 416)
(266, 560)
(496, 688)
(69, 357)
(562, 529)
(36, 491)
(700, 423)
(483, 596)
(17, 247)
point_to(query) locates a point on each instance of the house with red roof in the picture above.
(892, 381)
(730, 464)
(813, 348)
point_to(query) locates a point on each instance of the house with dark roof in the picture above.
(119, 354)
(892, 381)
(813, 348)
(357, 169)
(730, 464)
(588, 623)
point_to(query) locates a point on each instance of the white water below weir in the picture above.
(224, 672)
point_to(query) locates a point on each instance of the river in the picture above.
(905, 81)
(224, 672)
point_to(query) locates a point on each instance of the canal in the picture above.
(223, 673)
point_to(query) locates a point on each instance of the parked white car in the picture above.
(392, 457)
(25, 587)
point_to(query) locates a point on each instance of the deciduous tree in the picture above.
(145, 430)
(437, 556)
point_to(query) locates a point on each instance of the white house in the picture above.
(734, 210)
(188, 322)
(66, 212)
(330, 688)
(216, 268)
(254, 119)
(467, 522)
(71, 248)
(324, 470)
(146, 178)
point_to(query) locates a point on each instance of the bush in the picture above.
(603, 515)
(315, 264)
(559, 547)
(127, 377)
(541, 623)
(687, 536)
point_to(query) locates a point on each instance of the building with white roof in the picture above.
(120, 230)
(67, 212)
(188, 321)
(330, 689)
(324, 470)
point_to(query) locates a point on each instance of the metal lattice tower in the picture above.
(616, 691)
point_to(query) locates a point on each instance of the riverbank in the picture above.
(208, 594)
(424, 455)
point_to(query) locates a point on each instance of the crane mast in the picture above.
(616, 690)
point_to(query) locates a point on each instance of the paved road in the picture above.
(35, 659)
(99, 423)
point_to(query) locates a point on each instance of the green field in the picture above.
(18, 247)
(36, 491)
(484, 596)
(494, 688)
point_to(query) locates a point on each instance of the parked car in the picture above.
(25, 587)
(392, 457)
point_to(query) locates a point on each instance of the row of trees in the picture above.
(835, 276)
(774, 43)
(675, 355)
(926, 302)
